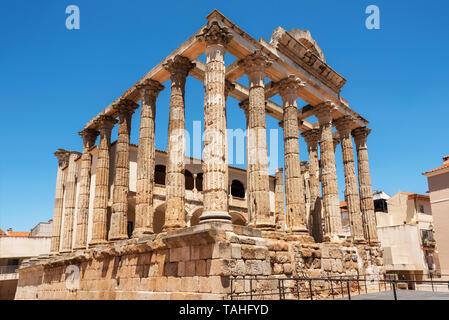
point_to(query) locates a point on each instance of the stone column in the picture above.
(311, 137)
(179, 67)
(333, 225)
(99, 233)
(249, 190)
(69, 203)
(63, 159)
(146, 151)
(215, 166)
(360, 135)
(257, 162)
(89, 136)
(344, 126)
(119, 217)
(279, 200)
(336, 140)
(296, 210)
(304, 180)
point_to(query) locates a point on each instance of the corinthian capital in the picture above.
(256, 62)
(311, 136)
(149, 87)
(89, 136)
(179, 66)
(344, 125)
(215, 34)
(360, 134)
(324, 111)
(105, 122)
(63, 157)
(289, 87)
(125, 107)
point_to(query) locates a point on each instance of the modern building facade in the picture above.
(17, 246)
(438, 182)
(406, 232)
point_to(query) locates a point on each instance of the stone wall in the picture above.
(192, 263)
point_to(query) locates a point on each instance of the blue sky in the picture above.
(53, 80)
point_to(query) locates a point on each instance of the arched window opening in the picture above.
(188, 180)
(237, 189)
(199, 182)
(159, 174)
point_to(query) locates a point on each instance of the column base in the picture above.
(334, 238)
(265, 226)
(118, 237)
(215, 216)
(97, 242)
(173, 226)
(139, 232)
(84, 247)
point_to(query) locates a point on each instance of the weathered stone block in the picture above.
(236, 251)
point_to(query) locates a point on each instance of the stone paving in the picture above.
(401, 295)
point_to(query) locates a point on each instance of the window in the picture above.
(421, 208)
(159, 174)
(199, 182)
(189, 183)
(130, 228)
(237, 189)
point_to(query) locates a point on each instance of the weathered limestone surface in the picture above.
(333, 226)
(194, 263)
(179, 67)
(215, 166)
(311, 137)
(100, 212)
(257, 162)
(119, 220)
(360, 135)
(146, 159)
(89, 136)
(69, 202)
(279, 200)
(344, 126)
(63, 159)
(295, 205)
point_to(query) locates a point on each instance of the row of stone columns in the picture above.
(215, 164)
(360, 208)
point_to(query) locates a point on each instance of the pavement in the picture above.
(401, 295)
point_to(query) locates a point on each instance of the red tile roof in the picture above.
(445, 165)
(17, 234)
(2, 233)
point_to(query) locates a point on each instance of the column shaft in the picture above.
(179, 68)
(63, 158)
(279, 200)
(333, 225)
(365, 189)
(352, 199)
(311, 137)
(215, 166)
(100, 212)
(119, 216)
(69, 203)
(296, 210)
(89, 136)
(146, 159)
(257, 162)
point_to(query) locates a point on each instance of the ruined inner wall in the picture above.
(192, 263)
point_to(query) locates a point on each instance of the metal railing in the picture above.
(332, 287)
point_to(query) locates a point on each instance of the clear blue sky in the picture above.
(54, 80)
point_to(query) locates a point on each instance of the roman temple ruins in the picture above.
(133, 222)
